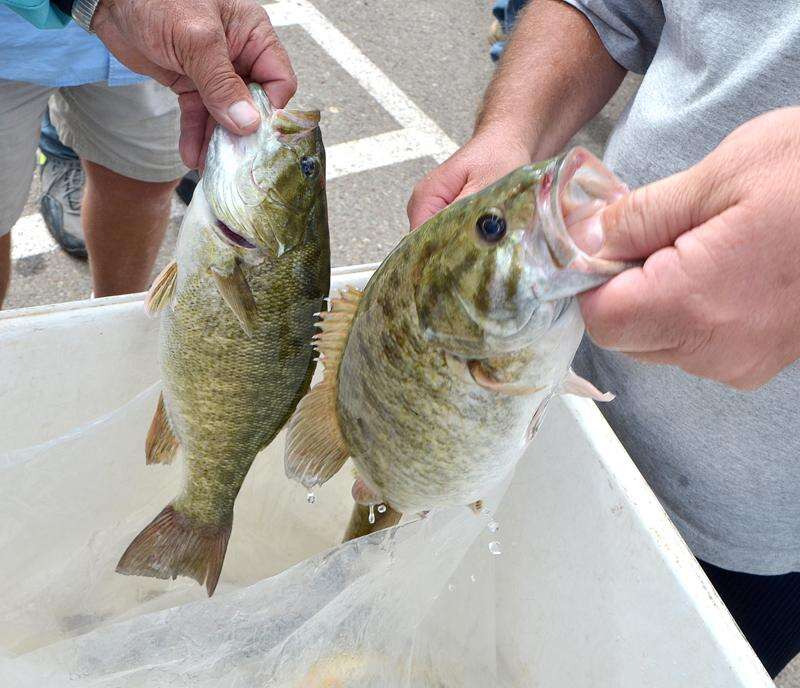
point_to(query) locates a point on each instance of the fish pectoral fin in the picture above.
(575, 384)
(161, 445)
(162, 290)
(315, 446)
(483, 378)
(236, 292)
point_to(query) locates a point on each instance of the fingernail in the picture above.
(243, 114)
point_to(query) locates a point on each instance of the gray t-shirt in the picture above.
(725, 464)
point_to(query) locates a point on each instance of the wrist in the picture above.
(509, 133)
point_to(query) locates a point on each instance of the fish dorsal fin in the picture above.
(575, 384)
(161, 444)
(315, 446)
(162, 290)
(236, 292)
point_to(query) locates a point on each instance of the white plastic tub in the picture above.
(594, 586)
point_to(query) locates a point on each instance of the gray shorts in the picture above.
(131, 130)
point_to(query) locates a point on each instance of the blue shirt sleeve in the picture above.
(40, 13)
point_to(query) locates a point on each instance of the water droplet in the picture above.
(493, 526)
(472, 578)
(371, 514)
(311, 498)
(381, 508)
(494, 547)
(451, 587)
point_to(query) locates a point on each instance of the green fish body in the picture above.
(438, 375)
(238, 312)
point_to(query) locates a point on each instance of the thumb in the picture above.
(654, 216)
(225, 95)
(436, 191)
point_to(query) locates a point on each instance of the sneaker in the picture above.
(186, 186)
(60, 205)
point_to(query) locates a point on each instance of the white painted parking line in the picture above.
(419, 136)
(374, 81)
(377, 151)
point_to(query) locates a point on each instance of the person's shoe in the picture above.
(186, 186)
(60, 205)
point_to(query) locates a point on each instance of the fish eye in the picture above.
(309, 166)
(491, 226)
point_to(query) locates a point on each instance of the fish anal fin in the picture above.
(236, 292)
(315, 446)
(161, 444)
(171, 546)
(484, 378)
(162, 290)
(575, 384)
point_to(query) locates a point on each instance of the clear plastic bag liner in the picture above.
(411, 607)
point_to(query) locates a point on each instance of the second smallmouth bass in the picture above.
(237, 316)
(437, 375)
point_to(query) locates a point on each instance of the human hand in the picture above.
(204, 50)
(487, 157)
(719, 292)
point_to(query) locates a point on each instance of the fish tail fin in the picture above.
(173, 546)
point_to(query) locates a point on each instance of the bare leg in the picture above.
(124, 221)
(359, 521)
(5, 265)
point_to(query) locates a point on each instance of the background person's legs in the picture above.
(62, 190)
(21, 108)
(124, 221)
(127, 140)
(5, 265)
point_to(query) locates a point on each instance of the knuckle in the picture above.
(202, 34)
(291, 81)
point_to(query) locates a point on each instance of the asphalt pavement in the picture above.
(434, 53)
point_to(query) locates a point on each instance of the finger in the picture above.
(265, 61)
(204, 57)
(435, 191)
(654, 216)
(708, 364)
(643, 309)
(193, 127)
(210, 125)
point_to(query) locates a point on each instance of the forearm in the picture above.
(555, 75)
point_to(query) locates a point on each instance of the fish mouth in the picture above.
(292, 126)
(231, 237)
(573, 191)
